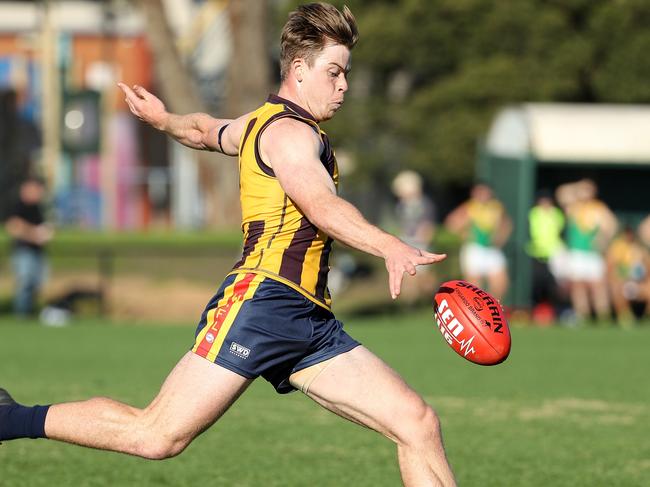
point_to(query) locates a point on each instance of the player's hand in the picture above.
(402, 258)
(145, 106)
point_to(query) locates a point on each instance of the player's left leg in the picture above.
(620, 304)
(600, 298)
(26, 274)
(359, 386)
(496, 272)
(498, 283)
(579, 299)
(194, 395)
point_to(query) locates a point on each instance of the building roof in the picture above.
(568, 132)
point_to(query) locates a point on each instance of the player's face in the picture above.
(481, 193)
(324, 84)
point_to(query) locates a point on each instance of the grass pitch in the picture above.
(568, 408)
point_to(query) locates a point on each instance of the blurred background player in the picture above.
(29, 234)
(628, 275)
(546, 248)
(590, 227)
(485, 226)
(415, 214)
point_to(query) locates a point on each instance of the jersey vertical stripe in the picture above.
(279, 240)
(293, 257)
(254, 230)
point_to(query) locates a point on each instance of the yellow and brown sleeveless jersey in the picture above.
(279, 241)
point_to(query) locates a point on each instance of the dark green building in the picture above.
(537, 146)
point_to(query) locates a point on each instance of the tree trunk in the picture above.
(249, 82)
(182, 96)
(249, 74)
(176, 84)
(248, 71)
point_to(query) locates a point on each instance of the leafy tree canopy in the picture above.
(429, 75)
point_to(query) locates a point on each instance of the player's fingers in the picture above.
(131, 106)
(411, 270)
(133, 101)
(141, 92)
(136, 112)
(128, 92)
(394, 281)
(431, 258)
(395, 289)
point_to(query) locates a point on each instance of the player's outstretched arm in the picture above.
(293, 149)
(195, 130)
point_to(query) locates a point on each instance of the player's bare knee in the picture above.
(420, 424)
(431, 421)
(156, 441)
(163, 451)
(161, 447)
(428, 422)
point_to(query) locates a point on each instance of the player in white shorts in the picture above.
(590, 227)
(485, 226)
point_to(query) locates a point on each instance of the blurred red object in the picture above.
(543, 314)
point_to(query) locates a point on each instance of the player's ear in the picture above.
(298, 65)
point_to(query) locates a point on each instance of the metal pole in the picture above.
(108, 155)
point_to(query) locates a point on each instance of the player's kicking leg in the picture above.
(195, 394)
(359, 386)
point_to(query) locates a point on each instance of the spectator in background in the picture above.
(416, 216)
(546, 223)
(29, 232)
(485, 227)
(590, 227)
(628, 274)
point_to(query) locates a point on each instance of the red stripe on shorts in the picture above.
(221, 313)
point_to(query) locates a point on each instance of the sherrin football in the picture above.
(472, 322)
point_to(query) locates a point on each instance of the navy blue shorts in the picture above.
(256, 326)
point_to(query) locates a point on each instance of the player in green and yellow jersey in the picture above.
(271, 316)
(590, 227)
(485, 227)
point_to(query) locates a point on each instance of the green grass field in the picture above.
(569, 408)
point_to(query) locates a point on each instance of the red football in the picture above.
(472, 322)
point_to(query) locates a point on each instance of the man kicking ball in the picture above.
(271, 316)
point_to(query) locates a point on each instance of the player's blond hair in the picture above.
(310, 28)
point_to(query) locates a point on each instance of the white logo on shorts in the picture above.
(239, 350)
(209, 338)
